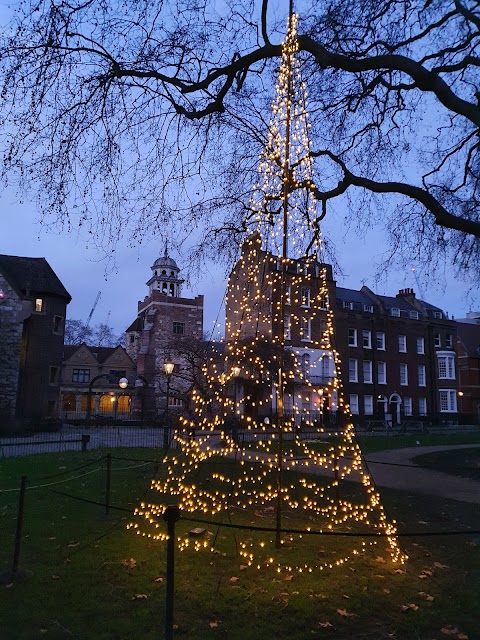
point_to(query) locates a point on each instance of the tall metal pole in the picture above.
(166, 426)
(171, 515)
(281, 368)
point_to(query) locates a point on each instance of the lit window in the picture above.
(38, 305)
(352, 337)
(367, 339)
(305, 296)
(422, 406)
(448, 401)
(179, 328)
(403, 374)
(446, 367)
(395, 312)
(402, 344)
(381, 341)
(368, 405)
(353, 370)
(381, 372)
(422, 378)
(420, 345)
(367, 371)
(305, 330)
(407, 406)
(354, 403)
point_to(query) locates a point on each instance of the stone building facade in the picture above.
(167, 326)
(95, 372)
(33, 305)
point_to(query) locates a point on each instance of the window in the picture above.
(179, 328)
(368, 405)
(117, 373)
(354, 403)
(437, 314)
(449, 340)
(352, 337)
(175, 402)
(422, 406)
(446, 367)
(414, 316)
(381, 341)
(132, 338)
(53, 375)
(422, 378)
(81, 375)
(437, 340)
(407, 406)
(348, 305)
(306, 365)
(353, 370)
(367, 371)
(305, 331)
(288, 294)
(306, 402)
(402, 344)
(323, 303)
(305, 296)
(368, 308)
(287, 328)
(381, 373)
(367, 339)
(448, 401)
(57, 324)
(395, 312)
(403, 374)
(38, 305)
(420, 345)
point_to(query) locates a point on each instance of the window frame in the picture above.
(380, 338)
(384, 368)
(366, 338)
(420, 343)
(367, 369)
(368, 405)
(353, 369)
(402, 343)
(85, 375)
(422, 375)
(449, 366)
(450, 396)
(177, 324)
(407, 406)
(403, 374)
(353, 404)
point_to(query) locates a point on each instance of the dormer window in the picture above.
(164, 273)
(437, 314)
(368, 308)
(172, 273)
(395, 312)
(39, 305)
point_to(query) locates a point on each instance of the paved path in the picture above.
(418, 480)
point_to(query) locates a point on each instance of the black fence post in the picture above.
(107, 484)
(85, 441)
(18, 529)
(171, 515)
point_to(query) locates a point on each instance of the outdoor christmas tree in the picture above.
(260, 464)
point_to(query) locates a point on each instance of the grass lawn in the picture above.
(87, 577)
(370, 444)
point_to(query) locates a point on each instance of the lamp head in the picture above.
(168, 366)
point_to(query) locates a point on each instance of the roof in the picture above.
(137, 325)
(469, 335)
(99, 353)
(32, 275)
(165, 261)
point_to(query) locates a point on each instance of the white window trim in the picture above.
(422, 410)
(384, 381)
(366, 335)
(421, 345)
(380, 333)
(451, 395)
(351, 378)
(369, 371)
(306, 335)
(368, 406)
(422, 367)
(449, 365)
(402, 344)
(354, 343)
(404, 384)
(354, 404)
(407, 406)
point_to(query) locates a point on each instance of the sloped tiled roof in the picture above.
(469, 335)
(137, 325)
(99, 353)
(32, 274)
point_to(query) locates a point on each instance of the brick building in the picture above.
(97, 369)
(167, 326)
(397, 353)
(468, 357)
(33, 305)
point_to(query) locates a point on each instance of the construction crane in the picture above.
(93, 309)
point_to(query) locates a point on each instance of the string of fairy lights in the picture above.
(279, 360)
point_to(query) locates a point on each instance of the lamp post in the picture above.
(168, 367)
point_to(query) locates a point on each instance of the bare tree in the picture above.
(101, 335)
(133, 114)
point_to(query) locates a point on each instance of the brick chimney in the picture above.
(408, 294)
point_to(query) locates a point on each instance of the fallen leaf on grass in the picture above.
(325, 624)
(439, 565)
(453, 631)
(243, 567)
(425, 574)
(129, 563)
(72, 544)
(400, 571)
(43, 630)
(345, 613)
(233, 579)
(288, 578)
(422, 522)
(408, 607)
(9, 585)
(53, 538)
(386, 590)
(159, 579)
(56, 577)
(213, 624)
(380, 559)
(425, 596)
(346, 597)
(138, 596)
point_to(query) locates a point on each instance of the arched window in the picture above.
(164, 273)
(172, 289)
(85, 401)
(107, 403)
(123, 404)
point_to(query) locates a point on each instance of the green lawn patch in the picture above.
(371, 444)
(89, 578)
(464, 463)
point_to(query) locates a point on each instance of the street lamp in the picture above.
(168, 367)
